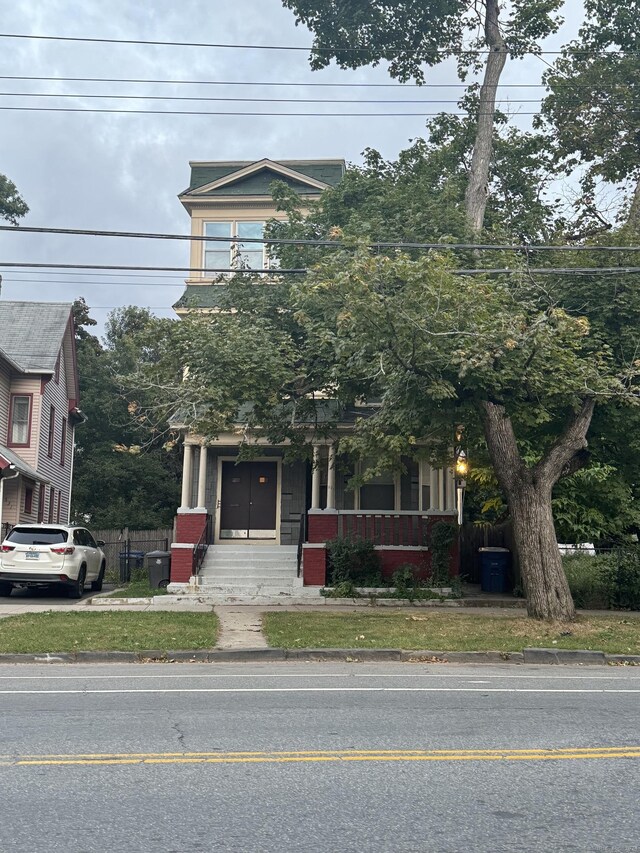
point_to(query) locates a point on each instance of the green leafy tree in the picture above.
(121, 477)
(12, 205)
(591, 111)
(412, 35)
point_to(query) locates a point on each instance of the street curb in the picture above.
(545, 657)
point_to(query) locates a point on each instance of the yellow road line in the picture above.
(315, 756)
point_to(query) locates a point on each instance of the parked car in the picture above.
(36, 555)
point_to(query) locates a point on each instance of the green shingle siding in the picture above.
(328, 173)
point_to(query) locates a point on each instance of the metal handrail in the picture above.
(201, 548)
(302, 536)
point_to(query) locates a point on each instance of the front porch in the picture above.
(262, 503)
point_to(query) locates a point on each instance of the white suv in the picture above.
(44, 554)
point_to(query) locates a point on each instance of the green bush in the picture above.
(588, 580)
(354, 561)
(607, 580)
(623, 578)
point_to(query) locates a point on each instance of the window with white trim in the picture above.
(20, 419)
(238, 252)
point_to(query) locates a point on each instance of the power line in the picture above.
(92, 95)
(283, 83)
(294, 47)
(238, 113)
(336, 244)
(264, 274)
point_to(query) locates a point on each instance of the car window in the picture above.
(34, 536)
(89, 540)
(77, 537)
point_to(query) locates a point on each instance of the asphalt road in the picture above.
(318, 757)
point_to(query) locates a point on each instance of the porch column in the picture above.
(331, 477)
(442, 491)
(315, 478)
(451, 490)
(202, 478)
(186, 476)
(433, 488)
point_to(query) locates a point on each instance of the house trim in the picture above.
(258, 166)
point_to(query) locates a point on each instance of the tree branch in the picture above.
(572, 440)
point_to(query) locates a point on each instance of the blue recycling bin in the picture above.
(494, 569)
(130, 560)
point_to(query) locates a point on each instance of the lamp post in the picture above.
(461, 470)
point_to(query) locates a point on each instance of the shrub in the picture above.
(354, 561)
(443, 537)
(588, 581)
(622, 575)
(606, 580)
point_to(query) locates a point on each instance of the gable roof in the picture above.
(245, 177)
(31, 334)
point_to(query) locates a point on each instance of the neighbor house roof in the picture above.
(8, 457)
(202, 296)
(31, 334)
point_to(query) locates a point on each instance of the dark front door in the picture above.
(248, 500)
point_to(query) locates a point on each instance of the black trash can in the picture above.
(130, 560)
(494, 569)
(159, 568)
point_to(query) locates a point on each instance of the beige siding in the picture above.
(21, 384)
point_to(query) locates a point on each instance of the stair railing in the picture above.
(201, 547)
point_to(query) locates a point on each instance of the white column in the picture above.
(441, 489)
(315, 478)
(433, 488)
(202, 478)
(186, 476)
(331, 477)
(451, 490)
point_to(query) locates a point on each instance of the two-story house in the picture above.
(268, 522)
(38, 411)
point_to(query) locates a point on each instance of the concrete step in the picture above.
(251, 580)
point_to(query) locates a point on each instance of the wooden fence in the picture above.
(125, 549)
(473, 537)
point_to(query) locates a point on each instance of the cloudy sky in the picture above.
(123, 172)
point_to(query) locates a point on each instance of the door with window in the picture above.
(249, 493)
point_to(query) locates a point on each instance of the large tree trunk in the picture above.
(529, 493)
(545, 583)
(478, 186)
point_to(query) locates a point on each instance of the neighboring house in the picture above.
(295, 507)
(38, 411)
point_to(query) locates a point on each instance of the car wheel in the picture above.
(96, 585)
(163, 584)
(77, 589)
(5, 588)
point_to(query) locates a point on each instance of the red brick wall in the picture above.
(181, 565)
(392, 560)
(322, 527)
(190, 527)
(314, 566)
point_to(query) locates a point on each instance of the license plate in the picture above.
(32, 555)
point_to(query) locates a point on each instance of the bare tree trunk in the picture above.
(478, 186)
(529, 493)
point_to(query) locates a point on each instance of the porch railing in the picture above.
(402, 528)
(201, 547)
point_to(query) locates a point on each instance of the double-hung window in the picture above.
(20, 419)
(235, 251)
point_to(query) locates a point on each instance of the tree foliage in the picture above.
(121, 477)
(12, 205)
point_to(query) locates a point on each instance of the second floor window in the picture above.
(239, 252)
(63, 442)
(20, 419)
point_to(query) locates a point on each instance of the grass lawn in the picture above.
(126, 632)
(136, 589)
(448, 632)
